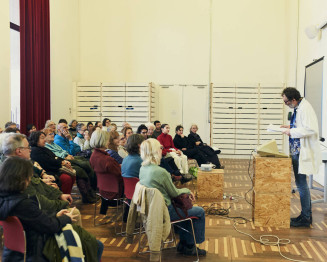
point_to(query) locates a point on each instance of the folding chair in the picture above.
(14, 235)
(107, 184)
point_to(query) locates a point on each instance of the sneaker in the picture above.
(302, 222)
(295, 219)
(192, 251)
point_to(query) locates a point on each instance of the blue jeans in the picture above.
(302, 186)
(198, 224)
(100, 250)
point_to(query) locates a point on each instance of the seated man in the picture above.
(11, 125)
(143, 131)
(157, 131)
(65, 141)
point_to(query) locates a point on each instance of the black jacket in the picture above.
(37, 225)
(46, 158)
(180, 142)
(192, 138)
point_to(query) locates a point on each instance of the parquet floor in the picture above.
(223, 242)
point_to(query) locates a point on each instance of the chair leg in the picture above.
(196, 249)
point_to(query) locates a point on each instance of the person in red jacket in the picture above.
(169, 149)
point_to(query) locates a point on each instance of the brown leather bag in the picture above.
(183, 202)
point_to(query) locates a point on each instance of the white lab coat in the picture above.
(307, 130)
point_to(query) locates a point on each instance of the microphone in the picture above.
(321, 139)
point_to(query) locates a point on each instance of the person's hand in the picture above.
(46, 181)
(69, 157)
(67, 197)
(53, 185)
(197, 143)
(182, 135)
(178, 152)
(67, 213)
(183, 149)
(66, 164)
(48, 177)
(287, 132)
(192, 197)
(285, 126)
(67, 134)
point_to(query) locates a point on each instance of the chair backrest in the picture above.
(108, 183)
(14, 234)
(129, 186)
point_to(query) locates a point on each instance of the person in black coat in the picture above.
(49, 162)
(181, 142)
(195, 141)
(15, 176)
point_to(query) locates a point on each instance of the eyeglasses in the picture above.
(25, 147)
(51, 134)
(144, 132)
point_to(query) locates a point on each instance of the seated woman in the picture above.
(151, 128)
(113, 147)
(180, 141)
(39, 227)
(84, 173)
(105, 166)
(72, 128)
(30, 128)
(195, 141)
(121, 147)
(49, 162)
(106, 124)
(153, 176)
(52, 125)
(169, 149)
(127, 132)
(132, 163)
(82, 137)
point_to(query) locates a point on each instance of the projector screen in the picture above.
(313, 88)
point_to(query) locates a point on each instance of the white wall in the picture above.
(162, 41)
(64, 53)
(4, 63)
(312, 12)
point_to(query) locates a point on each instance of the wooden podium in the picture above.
(271, 191)
(210, 184)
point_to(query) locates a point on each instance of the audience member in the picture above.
(105, 166)
(38, 226)
(128, 131)
(151, 128)
(98, 124)
(10, 124)
(30, 128)
(62, 120)
(113, 127)
(65, 140)
(12, 130)
(85, 177)
(132, 163)
(82, 138)
(153, 176)
(113, 147)
(142, 130)
(72, 128)
(169, 150)
(157, 131)
(106, 124)
(195, 141)
(121, 148)
(50, 124)
(181, 142)
(49, 162)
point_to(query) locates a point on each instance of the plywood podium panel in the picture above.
(210, 184)
(271, 191)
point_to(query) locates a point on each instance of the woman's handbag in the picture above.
(183, 202)
(68, 171)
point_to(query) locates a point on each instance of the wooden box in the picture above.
(272, 174)
(210, 184)
(271, 210)
(271, 191)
